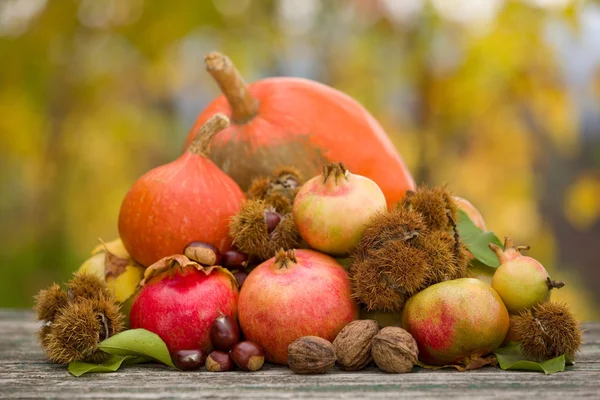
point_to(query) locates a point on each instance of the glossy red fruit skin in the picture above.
(224, 333)
(180, 306)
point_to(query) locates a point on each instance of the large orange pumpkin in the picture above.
(281, 121)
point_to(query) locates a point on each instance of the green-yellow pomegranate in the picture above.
(332, 210)
(456, 322)
(521, 281)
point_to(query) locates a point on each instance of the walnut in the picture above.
(395, 350)
(353, 344)
(311, 355)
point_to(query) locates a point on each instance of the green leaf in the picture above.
(137, 342)
(477, 241)
(113, 363)
(511, 358)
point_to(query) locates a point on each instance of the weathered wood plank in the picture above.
(25, 374)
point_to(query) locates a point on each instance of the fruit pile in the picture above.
(290, 232)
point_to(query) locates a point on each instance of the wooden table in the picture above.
(24, 373)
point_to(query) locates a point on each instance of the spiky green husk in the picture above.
(547, 330)
(435, 205)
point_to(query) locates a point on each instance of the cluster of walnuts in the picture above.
(359, 343)
(407, 249)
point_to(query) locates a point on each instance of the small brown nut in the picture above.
(311, 355)
(353, 344)
(395, 350)
(219, 361)
(248, 356)
(203, 253)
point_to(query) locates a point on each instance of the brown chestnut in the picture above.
(248, 356)
(203, 253)
(272, 219)
(224, 332)
(240, 276)
(234, 259)
(219, 361)
(188, 360)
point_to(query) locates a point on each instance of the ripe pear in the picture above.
(456, 322)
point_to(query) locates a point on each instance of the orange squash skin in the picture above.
(306, 124)
(170, 206)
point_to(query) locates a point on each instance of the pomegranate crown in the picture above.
(174, 263)
(334, 170)
(509, 252)
(284, 257)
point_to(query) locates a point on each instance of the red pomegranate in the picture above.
(292, 121)
(180, 299)
(297, 293)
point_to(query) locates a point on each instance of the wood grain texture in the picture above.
(24, 373)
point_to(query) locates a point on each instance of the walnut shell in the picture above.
(353, 344)
(311, 355)
(395, 350)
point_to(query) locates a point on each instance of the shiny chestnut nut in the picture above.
(248, 356)
(219, 361)
(188, 360)
(240, 276)
(272, 219)
(234, 259)
(224, 332)
(203, 253)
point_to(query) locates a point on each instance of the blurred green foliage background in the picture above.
(499, 99)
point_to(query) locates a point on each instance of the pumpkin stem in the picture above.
(201, 143)
(243, 106)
